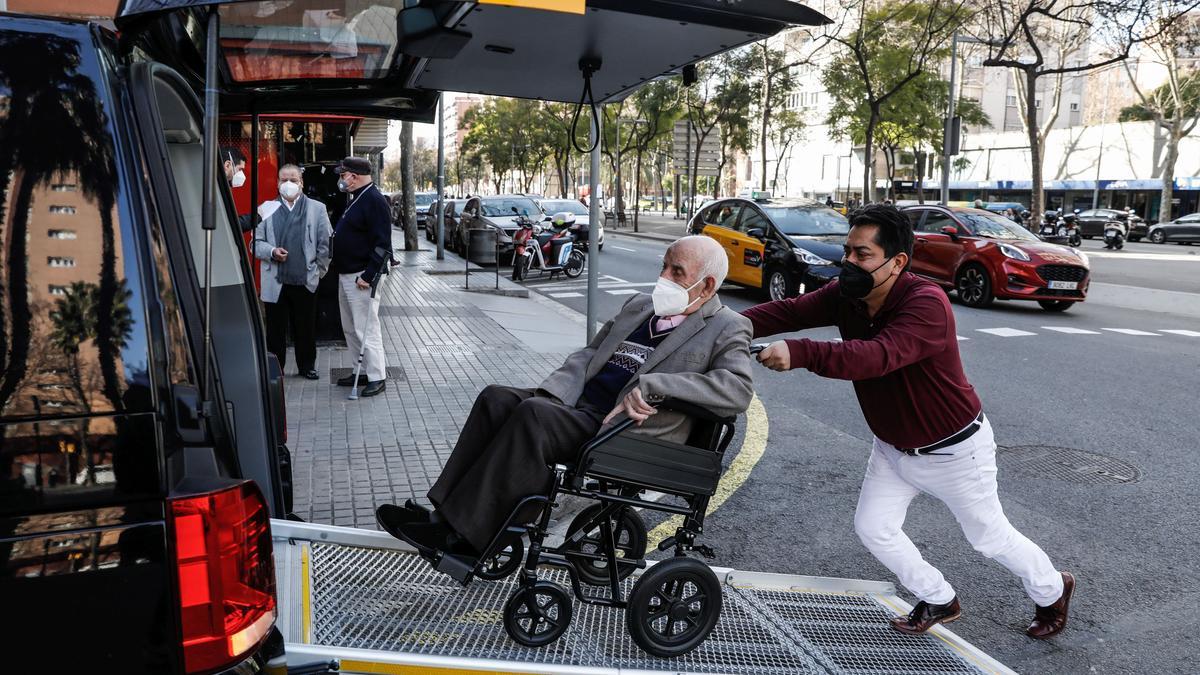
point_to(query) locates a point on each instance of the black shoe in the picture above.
(390, 517)
(373, 388)
(348, 381)
(925, 616)
(310, 374)
(427, 538)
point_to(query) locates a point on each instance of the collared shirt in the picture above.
(665, 323)
(904, 361)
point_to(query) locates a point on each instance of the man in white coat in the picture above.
(292, 241)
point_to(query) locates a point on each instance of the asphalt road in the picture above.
(1095, 411)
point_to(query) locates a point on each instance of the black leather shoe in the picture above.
(391, 517)
(925, 616)
(310, 374)
(373, 388)
(348, 381)
(427, 538)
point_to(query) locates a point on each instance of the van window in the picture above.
(72, 319)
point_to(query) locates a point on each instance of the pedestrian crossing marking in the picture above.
(1132, 331)
(623, 291)
(1005, 332)
(1185, 333)
(1071, 331)
(565, 295)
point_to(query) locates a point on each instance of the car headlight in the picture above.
(1014, 252)
(808, 258)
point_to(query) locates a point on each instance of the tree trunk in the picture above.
(18, 292)
(766, 114)
(869, 155)
(1036, 203)
(105, 301)
(1174, 132)
(637, 187)
(408, 215)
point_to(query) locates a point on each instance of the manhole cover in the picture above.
(395, 373)
(1068, 465)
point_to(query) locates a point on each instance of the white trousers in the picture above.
(963, 477)
(360, 321)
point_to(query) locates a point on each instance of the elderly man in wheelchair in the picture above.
(648, 405)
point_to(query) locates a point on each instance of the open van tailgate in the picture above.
(366, 600)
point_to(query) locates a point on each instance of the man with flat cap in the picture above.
(363, 230)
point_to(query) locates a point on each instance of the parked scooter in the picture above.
(1070, 222)
(1114, 234)
(1052, 230)
(551, 252)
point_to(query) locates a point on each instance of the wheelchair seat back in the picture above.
(656, 464)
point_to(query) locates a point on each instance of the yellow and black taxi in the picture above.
(783, 246)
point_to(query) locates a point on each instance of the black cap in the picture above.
(356, 165)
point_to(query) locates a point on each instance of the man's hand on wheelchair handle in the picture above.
(776, 356)
(634, 406)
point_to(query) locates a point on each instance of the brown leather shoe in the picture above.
(1049, 621)
(925, 616)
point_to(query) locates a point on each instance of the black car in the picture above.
(1182, 230)
(450, 219)
(1091, 223)
(785, 247)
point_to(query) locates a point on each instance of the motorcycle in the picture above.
(1071, 224)
(548, 252)
(1052, 230)
(1114, 235)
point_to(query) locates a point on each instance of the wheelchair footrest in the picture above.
(457, 568)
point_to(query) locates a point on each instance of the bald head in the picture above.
(699, 264)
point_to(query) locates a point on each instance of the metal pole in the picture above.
(593, 230)
(208, 208)
(496, 238)
(441, 179)
(949, 120)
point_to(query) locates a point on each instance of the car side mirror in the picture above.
(756, 232)
(950, 230)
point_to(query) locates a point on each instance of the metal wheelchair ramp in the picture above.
(360, 597)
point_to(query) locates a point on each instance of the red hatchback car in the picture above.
(984, 256)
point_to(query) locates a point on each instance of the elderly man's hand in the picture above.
(776, 356)
(362, 284)
(634, 407)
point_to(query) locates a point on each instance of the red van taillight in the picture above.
(226, 574)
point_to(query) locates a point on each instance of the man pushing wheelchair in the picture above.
(681, 342)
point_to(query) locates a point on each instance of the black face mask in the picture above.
(857, 283)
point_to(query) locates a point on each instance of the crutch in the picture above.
(386, 257)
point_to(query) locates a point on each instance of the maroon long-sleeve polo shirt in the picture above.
(904, 361)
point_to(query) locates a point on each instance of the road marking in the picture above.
(1131, 331)
(753, 446)
(1185, 333)
(623, 291)
(1071, 331)
(1174, 257)
(622, 248)
(961, 338)
(1005, 332)
(565, 295)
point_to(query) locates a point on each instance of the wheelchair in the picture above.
(671, 608)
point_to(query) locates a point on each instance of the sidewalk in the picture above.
(443, 346)
(651, 226)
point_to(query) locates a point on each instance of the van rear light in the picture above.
(226, 574)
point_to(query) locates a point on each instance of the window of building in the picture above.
(1074, 107)
(975, 61)
(1011, 101)
(1037, 103)
(58, 290)
(63, 187)
(60, 261)
(65, 210)
(61, 234)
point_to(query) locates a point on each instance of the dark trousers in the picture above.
(503, 454)
(296, 307)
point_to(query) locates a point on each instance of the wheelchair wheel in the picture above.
(504, 563)
(537, 615)
(673, 607)
(629, 533)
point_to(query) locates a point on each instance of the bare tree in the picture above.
(1056, 38)
(408, 213)
(1175, 105)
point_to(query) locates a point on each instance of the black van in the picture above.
(142, 431)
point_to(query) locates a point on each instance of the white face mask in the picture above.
(238, 180)
(289, 190)
(670, 298)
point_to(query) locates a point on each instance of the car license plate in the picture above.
(1064, 285)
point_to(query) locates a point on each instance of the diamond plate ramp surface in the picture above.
(374, 599)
